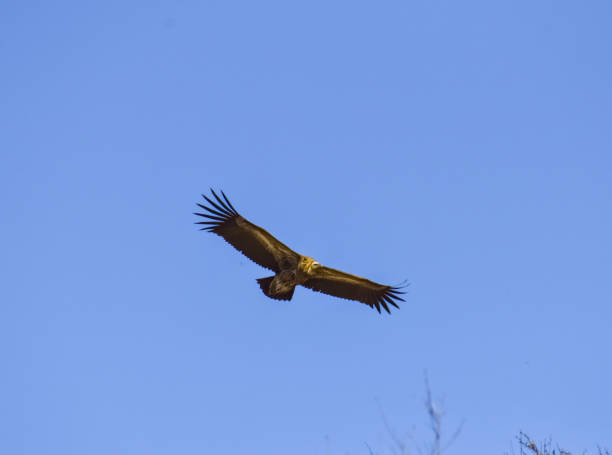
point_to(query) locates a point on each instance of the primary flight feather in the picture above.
(292, 269)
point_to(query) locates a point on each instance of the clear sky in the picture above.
(463, 146)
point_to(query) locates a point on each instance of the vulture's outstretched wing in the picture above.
(334, 282)
(254, 242)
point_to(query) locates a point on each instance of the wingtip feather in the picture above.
(229, 203)
(384, 305)
(215, 205)
(220, 201)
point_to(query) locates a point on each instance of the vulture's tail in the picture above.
(264, 284)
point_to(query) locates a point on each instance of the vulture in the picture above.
(291, 269)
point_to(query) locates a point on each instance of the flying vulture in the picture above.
(291, 268)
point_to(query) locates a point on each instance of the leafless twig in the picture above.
(436, 412)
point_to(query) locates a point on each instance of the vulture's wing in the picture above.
(334, 282)
(254, 242)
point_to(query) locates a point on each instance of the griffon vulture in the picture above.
(291, 268)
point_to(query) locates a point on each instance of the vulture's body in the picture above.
(291, 269)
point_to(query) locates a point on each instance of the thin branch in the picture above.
(396, 439)
(435, 419)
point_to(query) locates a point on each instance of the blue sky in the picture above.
(463, 146)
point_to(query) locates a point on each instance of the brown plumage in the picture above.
(292, 269)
